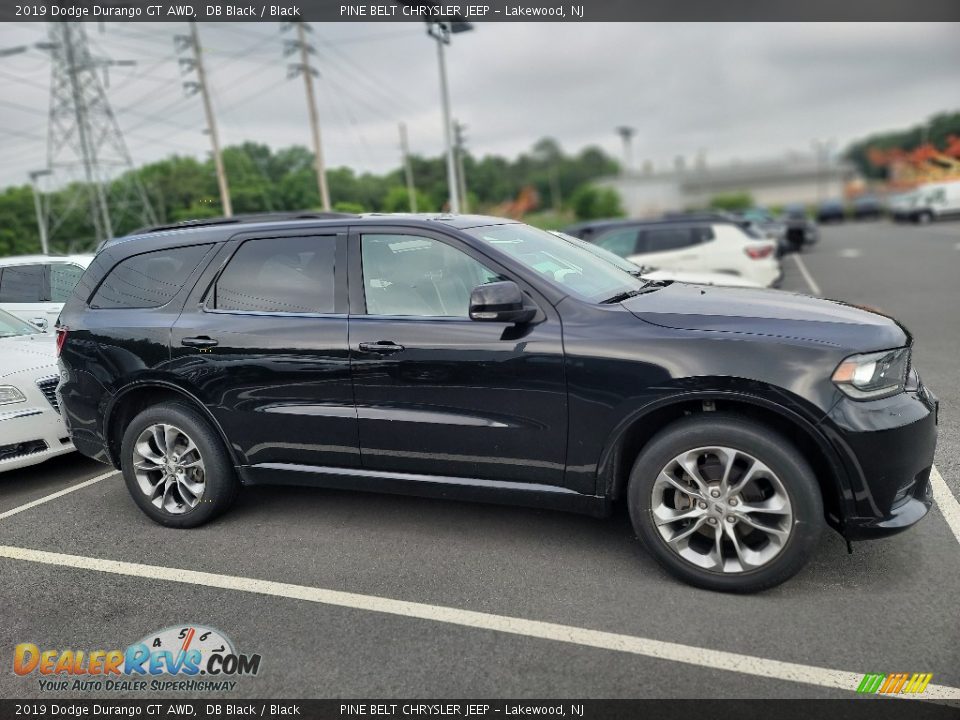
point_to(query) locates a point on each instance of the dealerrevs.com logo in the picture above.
(187, 657)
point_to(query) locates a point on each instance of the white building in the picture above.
(796, 179)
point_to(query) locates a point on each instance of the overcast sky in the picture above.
(734, 90)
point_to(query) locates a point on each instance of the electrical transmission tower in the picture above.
(84, 142)
(305, 49)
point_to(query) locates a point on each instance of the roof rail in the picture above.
(242, 219)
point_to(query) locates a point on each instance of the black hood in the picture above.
(768, 312)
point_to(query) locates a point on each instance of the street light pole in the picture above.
(443, 37)
(38, 207)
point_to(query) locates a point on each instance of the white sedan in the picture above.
(31, 429)
(34, 287)
(648, 273)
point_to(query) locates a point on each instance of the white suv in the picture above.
(34, 287)
(693, 246)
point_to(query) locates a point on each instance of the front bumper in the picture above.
(30, 435)
(887, 447)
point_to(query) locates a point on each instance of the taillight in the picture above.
(758, 252)
(61, 338)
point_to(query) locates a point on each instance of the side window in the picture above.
(410, 275)
(22, 284)
(63, 278)
(667, 239)
(620, 242)
(291, 275)
(148, 280)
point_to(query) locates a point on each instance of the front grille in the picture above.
(48, 386)
(8, 452)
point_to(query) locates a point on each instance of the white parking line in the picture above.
(946, 501)
(59, 493)
(811, 283)
(646, 647)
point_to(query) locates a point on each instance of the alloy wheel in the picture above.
(169, 468)
(721, 509)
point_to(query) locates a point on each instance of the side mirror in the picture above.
(499, 302)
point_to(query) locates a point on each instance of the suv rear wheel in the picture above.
(725, 504)
(176, 467)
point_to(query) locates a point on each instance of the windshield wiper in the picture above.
(648, 286)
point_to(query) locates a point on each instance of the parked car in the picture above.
(801, 230)
(31, 429)
(902, 205)
(652, 273)
(830, 211)
(935, 201)
(867, 207)
(694, 246)
(764, 223)
(34, 287)
(481, 359)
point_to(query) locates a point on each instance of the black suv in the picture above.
(481, 359)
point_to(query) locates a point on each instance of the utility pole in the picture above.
(38, 207)
(304, 68)
(192, 42)
(407, 168)
(626, 135)
(441, 32)
(459, 146)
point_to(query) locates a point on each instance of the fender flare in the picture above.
(192, 400)
(606, 469)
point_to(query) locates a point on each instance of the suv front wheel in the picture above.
(176, 467)
(725, 504)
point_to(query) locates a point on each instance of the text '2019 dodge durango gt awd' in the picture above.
(482, 359)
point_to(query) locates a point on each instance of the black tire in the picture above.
(742, 434)
(220, 477)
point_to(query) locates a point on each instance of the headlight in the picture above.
(9, 394)
(874, 375)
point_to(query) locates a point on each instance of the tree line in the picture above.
(266, 180)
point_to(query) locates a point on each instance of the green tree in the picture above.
(592, 203)
(732, 202)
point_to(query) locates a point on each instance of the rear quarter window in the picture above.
(148, 280)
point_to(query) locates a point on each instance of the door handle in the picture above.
(383, 347)
(199, 342)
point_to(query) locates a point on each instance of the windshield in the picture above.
(580, 272)
(12, 326)
(600, 252)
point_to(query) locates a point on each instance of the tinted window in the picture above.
(667, 239)
(148, 280)
(63, 278)
(619, 242)
(294, 275)
(22, 283)
(410, 275)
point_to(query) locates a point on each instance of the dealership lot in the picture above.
(890, 607)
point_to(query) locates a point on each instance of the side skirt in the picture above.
(435, 486)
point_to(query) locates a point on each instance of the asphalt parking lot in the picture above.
(348, 594)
